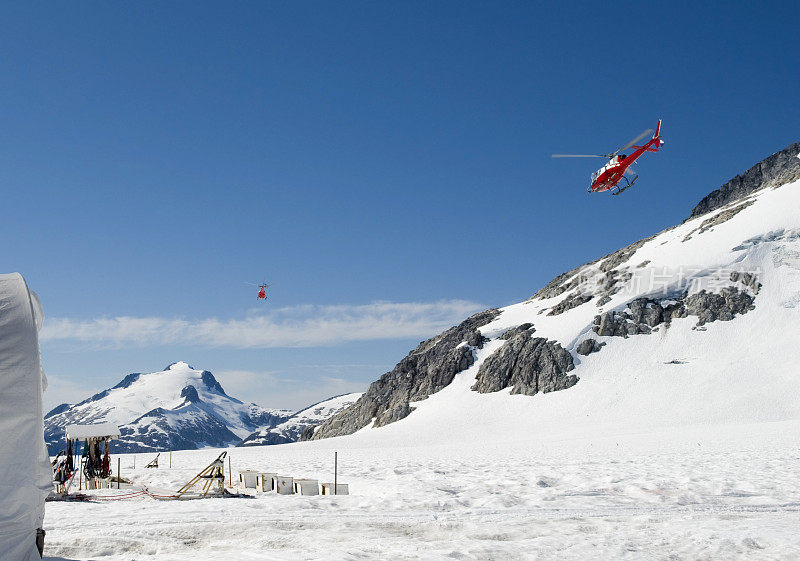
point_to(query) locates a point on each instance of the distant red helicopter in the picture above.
(262, 289)
(609, 176)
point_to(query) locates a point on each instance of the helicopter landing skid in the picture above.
(628, 186)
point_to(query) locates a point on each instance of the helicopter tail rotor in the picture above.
(631, 143)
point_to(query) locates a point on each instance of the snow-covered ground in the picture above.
(704, 492)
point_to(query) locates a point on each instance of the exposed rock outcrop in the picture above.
(189, 393)
(426, 370)
(569, 302)
(560, 284)
(528, 365)
(588, 346)
(750, 280)
(719, 218)
(782, 167)
(643, 314)
(709, 306)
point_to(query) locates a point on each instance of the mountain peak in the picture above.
(179, 365)
(162, 397)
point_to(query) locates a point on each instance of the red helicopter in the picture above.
(262, 289)
(609, 176)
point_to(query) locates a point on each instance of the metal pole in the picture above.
(118, 469)
(170, 458)
(230, 474)
(335, 473)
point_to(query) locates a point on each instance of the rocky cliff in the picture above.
(780, 168)
(426, 370)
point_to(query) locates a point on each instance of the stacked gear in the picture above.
(96, 464)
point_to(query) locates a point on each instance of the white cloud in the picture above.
(296, 326)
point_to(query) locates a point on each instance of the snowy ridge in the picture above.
(291, 429)
(695, 325)
(179, 407)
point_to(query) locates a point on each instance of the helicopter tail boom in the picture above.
(655, 143)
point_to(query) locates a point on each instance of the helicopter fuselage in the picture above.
(609, 176)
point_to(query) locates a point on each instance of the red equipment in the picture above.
(609, 176)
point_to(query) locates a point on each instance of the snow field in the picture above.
(708, 492)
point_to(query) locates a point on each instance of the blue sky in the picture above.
(385, 165)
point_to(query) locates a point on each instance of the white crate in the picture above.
(341, 489)
(284, 485)
(249, 479)
(306, 486)
(265, 482)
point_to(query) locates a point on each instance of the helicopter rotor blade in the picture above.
(632, 142)
(578, 156)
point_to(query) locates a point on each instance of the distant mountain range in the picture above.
(291, 429)
(183, 408)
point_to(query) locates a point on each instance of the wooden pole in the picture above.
(118, 475)
(335, 473)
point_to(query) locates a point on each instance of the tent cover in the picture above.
(25, 471)
(82, 432)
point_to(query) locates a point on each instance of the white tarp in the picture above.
(25, 471)
(82, 432)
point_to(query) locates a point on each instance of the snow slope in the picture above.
(745, 369)
(291, 429)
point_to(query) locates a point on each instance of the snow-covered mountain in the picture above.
(697, 324)
(291, 429)
(179, 407)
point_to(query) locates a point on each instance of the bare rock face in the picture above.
(780, 168)
(569, 303)
(426, 370)
(559, 285)
(643, 314)
(528, 365)
(709, 306)
(588, 346)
